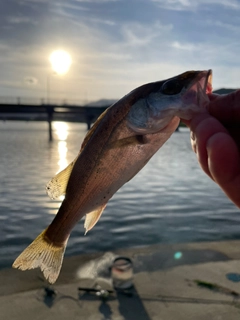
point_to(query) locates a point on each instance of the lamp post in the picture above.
(48, 88)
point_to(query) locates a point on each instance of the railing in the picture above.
(41, 101)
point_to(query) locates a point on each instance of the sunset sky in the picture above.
(115, 45)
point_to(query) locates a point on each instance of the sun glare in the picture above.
(61, 129)
(60, 61)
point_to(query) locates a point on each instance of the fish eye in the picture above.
(171, 87)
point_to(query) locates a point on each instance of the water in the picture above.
(170, 201)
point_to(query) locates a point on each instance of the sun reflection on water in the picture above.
(62, 151)
(61, 130)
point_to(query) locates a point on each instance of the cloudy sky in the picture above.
(115, 45)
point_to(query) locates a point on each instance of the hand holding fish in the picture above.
(215, 138)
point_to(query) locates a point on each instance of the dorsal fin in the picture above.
(57, 185)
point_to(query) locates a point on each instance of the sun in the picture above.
(60, 61)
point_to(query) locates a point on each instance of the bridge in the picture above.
(30, 109)
(55, 110)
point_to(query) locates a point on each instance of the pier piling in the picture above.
(50, 111)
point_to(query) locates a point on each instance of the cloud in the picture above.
(29, 3)
(21, 19)
(225, 77)
(103, 21)
(184, 46)
(137, 34)
(224, 26)
(115, 45)
(59, 2)
(188, 5)
(96, 1)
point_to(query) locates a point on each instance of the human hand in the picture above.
(215, 138)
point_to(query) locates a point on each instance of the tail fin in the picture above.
(44, 255)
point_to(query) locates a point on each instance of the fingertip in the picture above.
(223, 158)
(203, 127)
(224, 164)
(213, 96)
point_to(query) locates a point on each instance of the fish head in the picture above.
(181, 96)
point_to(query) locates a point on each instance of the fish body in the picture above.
(117, 147)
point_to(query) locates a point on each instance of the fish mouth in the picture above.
(205, 81)
(197, 81)
(194, 95)
(209, 82)
(197, 86)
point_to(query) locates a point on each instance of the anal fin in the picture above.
(92, 218)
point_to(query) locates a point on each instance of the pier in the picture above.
(17, 109)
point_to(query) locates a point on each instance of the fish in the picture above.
(119, 144)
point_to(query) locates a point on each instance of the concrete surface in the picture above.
(201, 281)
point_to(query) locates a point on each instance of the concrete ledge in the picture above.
(164, 287)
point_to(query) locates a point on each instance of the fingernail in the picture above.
(192, 136)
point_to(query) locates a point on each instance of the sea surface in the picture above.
(170, 201)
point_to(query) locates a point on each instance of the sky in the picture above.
(115, 45)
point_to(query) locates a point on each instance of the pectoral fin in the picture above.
(57, 185)
(129, 141)
(92, 218)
